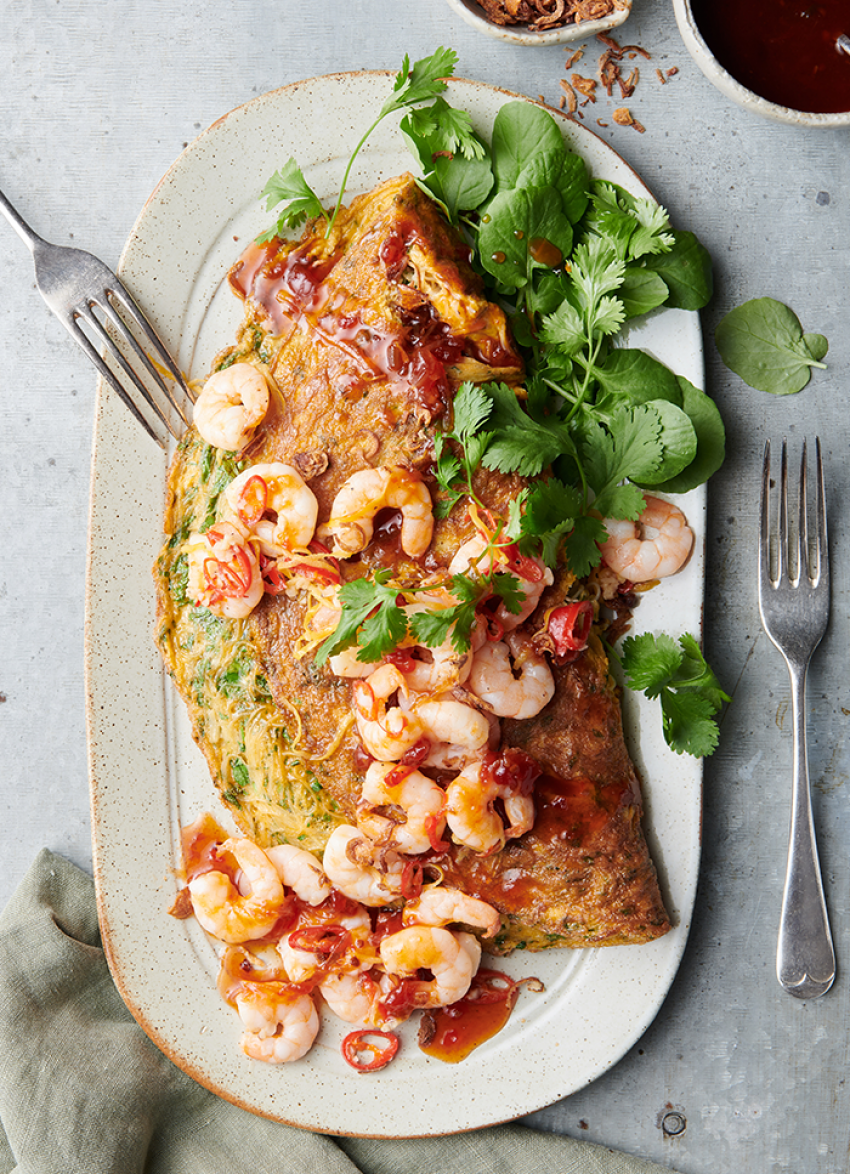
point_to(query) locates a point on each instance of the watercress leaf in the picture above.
(817, 345)
(649, 662)
(464, 184)
(679, 440)
(518, 219)
(641, 291)
(686, 271)
(633, 375)
(547, 292)
(425, 80)
(566, 172)
(523, 134)
(762, 341)
(710, 436)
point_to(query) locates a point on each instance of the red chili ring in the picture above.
(358, 1041)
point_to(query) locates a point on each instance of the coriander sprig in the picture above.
(413, 84)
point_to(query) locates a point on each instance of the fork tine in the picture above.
(85, 313)
(822, 542)
(72, 326)
(764, 524)
(804, 562)
(118, 322)
(782, 555)
(127, 302)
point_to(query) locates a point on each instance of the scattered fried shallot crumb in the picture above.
(622, 116)
(585, 86)
(562, 101)
(599, 122)
(573, 58)
(661, 77)
(672, 71)
(572, 100)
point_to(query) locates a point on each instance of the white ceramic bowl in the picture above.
(520, 34)
(714, 71)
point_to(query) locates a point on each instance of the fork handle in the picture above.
(805, 958)
(31, 239)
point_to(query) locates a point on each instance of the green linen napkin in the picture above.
(84, 1091)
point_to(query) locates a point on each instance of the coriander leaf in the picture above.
(581, 548)
(507, 587)
(631, 449)
(550, 509)
(289, 184)
(763, 342)
(471, 408)
(444, 128)
(564, 329)
(688, 723)
(696, 673)
(358, 600)
(650, 662)
(652, 234)
(425, 80)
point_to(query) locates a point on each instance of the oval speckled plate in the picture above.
(147, 776)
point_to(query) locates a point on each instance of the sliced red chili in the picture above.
(397, 774)
(253, 500)
(365, 1054)
(569, 627)
(437, 844)
(411, 880)
(328, 940)
(527, 568)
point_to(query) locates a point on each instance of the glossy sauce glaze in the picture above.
(783, 50)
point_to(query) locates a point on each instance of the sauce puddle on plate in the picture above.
(783, 50)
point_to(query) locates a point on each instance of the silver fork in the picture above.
(794, 607)
(101, 316)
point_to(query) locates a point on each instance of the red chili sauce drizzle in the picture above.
(451, 1033)
(783, 50)
(295, 290)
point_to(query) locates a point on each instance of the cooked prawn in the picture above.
(281, 1023)
(441, 905)
(474, 553)
(452, 957)
(435, 670)
(360, 498)
(511, 677)
(447, 723)
(301, 872)
(273, 502)
(419, 799)
(471, 813)
(221, 906)
(224, 572)
(231, 405)
(351, 863)
(385, 732)
(656, 545)
(346, 664)
(354, 998)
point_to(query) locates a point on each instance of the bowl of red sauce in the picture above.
(778, 58)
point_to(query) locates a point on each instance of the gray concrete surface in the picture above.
(97, 101)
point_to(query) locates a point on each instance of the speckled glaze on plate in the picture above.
(147, 776)
(520, 34)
